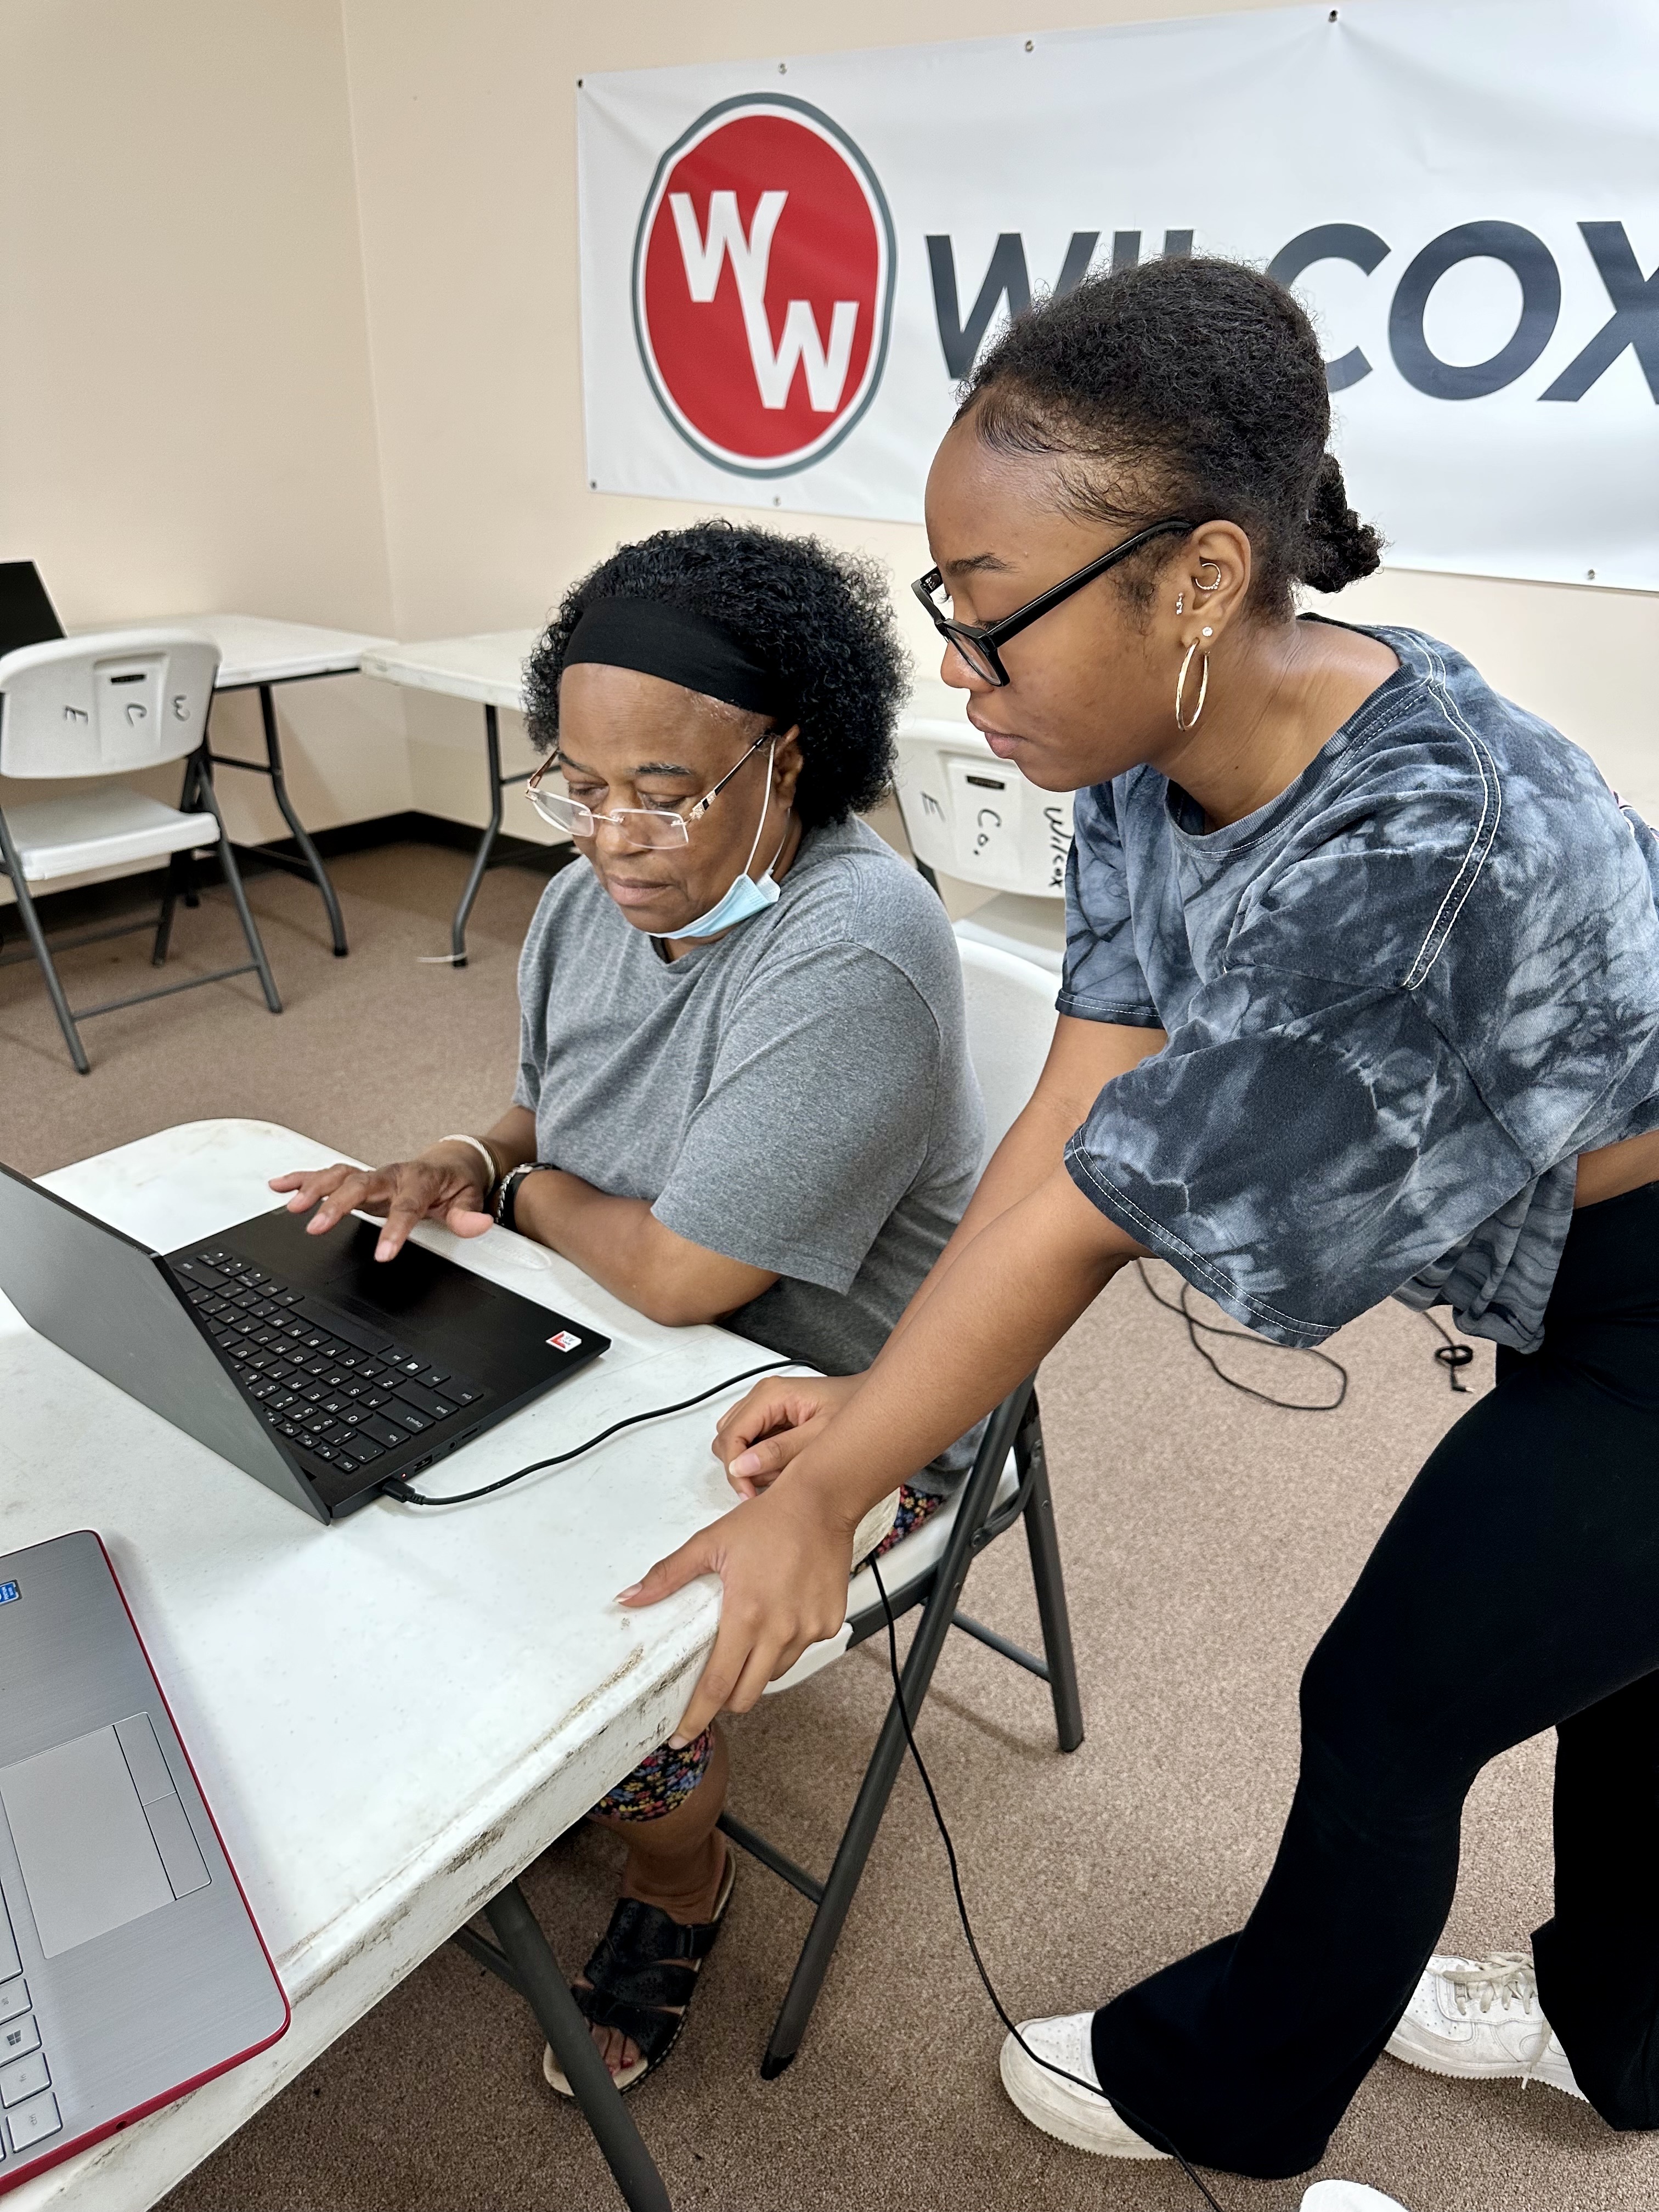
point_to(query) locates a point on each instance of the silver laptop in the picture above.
(131, 1969)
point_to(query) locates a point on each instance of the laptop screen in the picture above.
(27, 615)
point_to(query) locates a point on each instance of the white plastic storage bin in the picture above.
(971, 816)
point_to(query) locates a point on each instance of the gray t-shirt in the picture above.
(1401, 999)
(796, 1095)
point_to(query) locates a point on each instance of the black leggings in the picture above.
(1546, 1498)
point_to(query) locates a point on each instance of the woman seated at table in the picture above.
(743, 1092)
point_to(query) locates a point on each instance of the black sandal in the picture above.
(640, 1981)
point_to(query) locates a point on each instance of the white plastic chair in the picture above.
(99, 706)
(974, 818)
(1011, 1022)
(1010, 1026)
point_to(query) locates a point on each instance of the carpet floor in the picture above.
(1206, 1537)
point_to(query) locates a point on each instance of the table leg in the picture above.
(486, 843)
(519, 1935)
(313, 858)
(311, 861)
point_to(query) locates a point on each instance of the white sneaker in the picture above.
(1078, 2114)
(1480, 2020)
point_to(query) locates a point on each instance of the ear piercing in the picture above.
(1184, 720)
(1204, 589)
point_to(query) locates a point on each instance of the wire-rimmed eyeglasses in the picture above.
(652, 827)
(978, 642)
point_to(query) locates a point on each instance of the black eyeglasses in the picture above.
(978, 642)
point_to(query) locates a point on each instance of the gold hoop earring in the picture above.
(1181, 686)
(1208, 588)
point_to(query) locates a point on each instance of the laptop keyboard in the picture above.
(340, 1389)
(31, 2110)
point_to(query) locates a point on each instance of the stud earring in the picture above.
(1206, 631)
(1181, 603)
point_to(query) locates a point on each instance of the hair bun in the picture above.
(1338, 547)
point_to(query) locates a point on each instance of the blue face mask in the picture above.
(746, 897)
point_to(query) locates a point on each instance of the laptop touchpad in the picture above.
(93, 1853)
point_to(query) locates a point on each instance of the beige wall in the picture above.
(186, 410)
(291, 325)
(466, 131)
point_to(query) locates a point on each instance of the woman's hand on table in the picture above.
(784, 1565)
(784, 1557)
(445, 1185)
(756, 1439)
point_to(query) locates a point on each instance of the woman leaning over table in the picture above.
(1361, 1000)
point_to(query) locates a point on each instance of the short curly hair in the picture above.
(820, 619)
(1188, 386)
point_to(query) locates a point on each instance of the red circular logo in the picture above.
(763, 285)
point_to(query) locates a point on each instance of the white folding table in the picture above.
(390, 1716)
(255, 654)
(488, 669)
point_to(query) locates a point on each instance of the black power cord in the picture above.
(395, 1487)
(1451, 1355)
(1153, 2136)
(1197, 1325)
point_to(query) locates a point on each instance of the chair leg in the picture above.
(877, 1788)
(838, 1891)
(209, 798)
(36, 937)
(186, 861)
(1043, 1545)
(164, 919)
(486, 843)
(519, 1935)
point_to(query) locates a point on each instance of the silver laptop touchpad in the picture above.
(102, 1836)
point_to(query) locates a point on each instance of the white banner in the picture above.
(788, 264)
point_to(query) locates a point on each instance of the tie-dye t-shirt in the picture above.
(1401, 997)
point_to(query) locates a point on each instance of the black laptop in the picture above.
(27, 616)
(316, 1368)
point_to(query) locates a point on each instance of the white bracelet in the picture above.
(483, 1152)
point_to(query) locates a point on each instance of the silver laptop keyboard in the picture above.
(31, 2111)
(338, 1389)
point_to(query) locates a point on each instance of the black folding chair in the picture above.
(936, 1587)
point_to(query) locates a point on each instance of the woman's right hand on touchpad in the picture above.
(404, 1192)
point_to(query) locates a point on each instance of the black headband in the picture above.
(658, 638)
